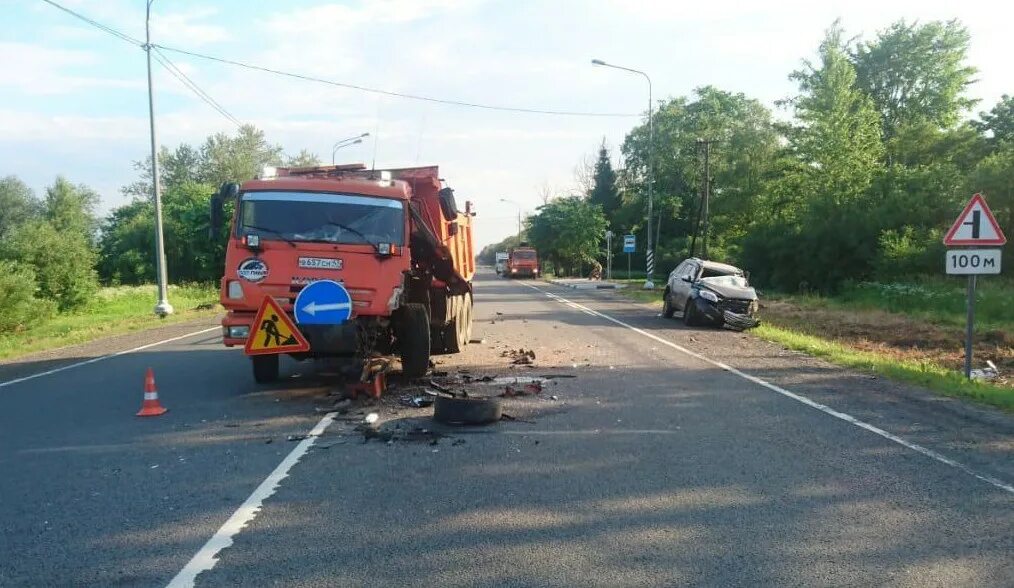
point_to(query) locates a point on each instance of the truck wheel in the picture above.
(469, 304)
(265, 368)
(467, 411)
(449, 338)
(667, 309)
(414, 340)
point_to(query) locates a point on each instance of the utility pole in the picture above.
(162, 307)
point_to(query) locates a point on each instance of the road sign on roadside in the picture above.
(323, 303)
(629, 243)
(274, 332)
(976, 226)
(973, 261)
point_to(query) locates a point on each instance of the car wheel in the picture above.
(690, 313)
(667, 309)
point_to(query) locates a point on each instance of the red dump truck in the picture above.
(394, 241)
(523, 261)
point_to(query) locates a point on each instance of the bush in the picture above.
(19, 308)
(62, 262)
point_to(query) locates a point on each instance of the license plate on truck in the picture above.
(320, 263)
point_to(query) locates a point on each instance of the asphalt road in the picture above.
(651, 466)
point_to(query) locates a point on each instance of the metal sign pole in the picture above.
(969, 325)
(628, 266)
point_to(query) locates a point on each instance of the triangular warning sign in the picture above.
(274, 332)
(976, 225)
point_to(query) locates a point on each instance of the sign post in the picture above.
(629, 245)
(609, 255)
(976, 227)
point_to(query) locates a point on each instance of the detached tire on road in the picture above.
(414, 340)
(265, 368)
(467, 411)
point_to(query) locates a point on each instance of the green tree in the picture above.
(305, 158)
(238, 158)
(916, 73)
(63, 261)
(127, 251)
(604, 192)
(999, 121)
(70, 208)
(837, 144)
(19, 308)
(745, 147)
(18, 204)
(568, 231)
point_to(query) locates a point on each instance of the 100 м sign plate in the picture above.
(973, 261)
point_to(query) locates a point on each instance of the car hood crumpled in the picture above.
(734, 292)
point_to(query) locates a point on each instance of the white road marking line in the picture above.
(104, 357)
(821, 407)
(206, 558)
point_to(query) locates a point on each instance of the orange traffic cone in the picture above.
(150, 406)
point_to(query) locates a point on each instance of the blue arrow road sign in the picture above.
(629, 243)
(323, 303)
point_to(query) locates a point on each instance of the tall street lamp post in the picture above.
(649, 250)
(345, 143)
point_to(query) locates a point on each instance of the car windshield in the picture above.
(726, 280)
(322, 217)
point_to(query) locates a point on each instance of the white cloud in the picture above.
(188, 28)
(37, 70)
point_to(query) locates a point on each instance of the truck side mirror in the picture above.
(452, 229)
(228, 191)
(215, 215)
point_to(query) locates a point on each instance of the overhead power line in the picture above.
(121, 35)
(349, 86)
(193, 87)
(357, 87)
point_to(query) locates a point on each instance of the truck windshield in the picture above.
(524, 255)
(322, 217)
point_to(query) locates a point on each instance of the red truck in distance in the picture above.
(395, 240)
(523, 262)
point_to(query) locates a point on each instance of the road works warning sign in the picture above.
(975, 226)
(274, 332)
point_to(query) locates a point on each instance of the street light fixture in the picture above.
(346, 142)
(649, 253)
(519, 215)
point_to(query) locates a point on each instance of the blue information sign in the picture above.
(323, 303)
(629, 243)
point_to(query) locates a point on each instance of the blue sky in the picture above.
(73, 99)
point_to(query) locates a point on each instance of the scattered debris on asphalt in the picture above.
(371, 418)
(556, 376)
(527, 389)
(477, 341)
(507, 417)
(296, 437)
(416, 401)
(520, 356)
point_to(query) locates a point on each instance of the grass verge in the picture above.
(113, 311)
(923, 373)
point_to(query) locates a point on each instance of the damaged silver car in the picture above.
(710, 293)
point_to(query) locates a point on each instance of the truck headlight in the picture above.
(514, 270)
(234, 290)
(708, 295)
(239, 332)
